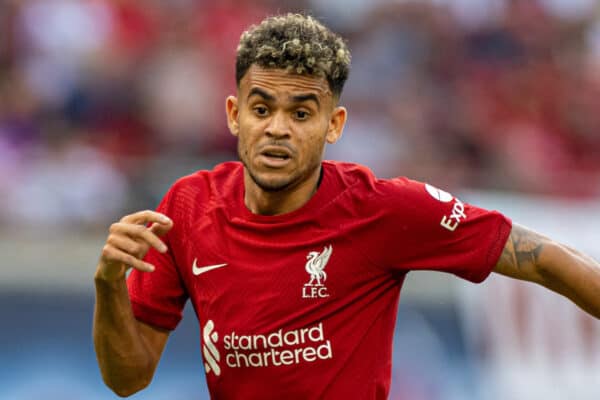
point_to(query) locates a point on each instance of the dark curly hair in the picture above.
(296, 43)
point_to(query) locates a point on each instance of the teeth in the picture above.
(276, 155)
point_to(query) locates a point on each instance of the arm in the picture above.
(532, 257)
(128, 350)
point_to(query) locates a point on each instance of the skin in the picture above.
(532, 257)
(127, 350)
(282, 122)
(285, 113)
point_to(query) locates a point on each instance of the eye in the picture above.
(261, 111)
(301, 115)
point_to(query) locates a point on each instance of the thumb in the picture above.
(160, 229)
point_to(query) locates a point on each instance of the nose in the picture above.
(278, 126)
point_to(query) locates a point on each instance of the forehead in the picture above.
(280, 81)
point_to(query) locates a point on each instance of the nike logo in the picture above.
(200, 270)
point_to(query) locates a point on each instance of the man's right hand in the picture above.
(128, 242)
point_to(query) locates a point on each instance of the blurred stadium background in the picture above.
(103, 103)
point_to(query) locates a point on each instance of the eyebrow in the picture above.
(306, 97)
(299, 98)
(259, 92)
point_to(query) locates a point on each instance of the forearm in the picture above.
(530, 256)
(125, 360)
(572, 274)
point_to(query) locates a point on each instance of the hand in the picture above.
(128, 242)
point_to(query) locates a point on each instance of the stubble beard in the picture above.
(269, 186)
(273, 185)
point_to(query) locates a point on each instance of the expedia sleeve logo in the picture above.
(452, 221)
(438, 194)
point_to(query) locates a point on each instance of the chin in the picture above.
(272, 184)
(273, 180)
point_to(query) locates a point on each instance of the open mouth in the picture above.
(276, 152)
(276, 155)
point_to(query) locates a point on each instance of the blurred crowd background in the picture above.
(104, 103)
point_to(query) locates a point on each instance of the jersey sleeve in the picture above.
(426, 228)
(158, 298)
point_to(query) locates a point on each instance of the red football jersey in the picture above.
(303, 305)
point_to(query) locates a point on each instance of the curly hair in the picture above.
(297, 43)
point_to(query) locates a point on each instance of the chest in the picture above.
(268, 277)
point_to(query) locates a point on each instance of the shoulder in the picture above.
(414, 200)
(204, 185)
(221, 174)
(348, 175)
(404, 189)
(363, 180)
(357, 190)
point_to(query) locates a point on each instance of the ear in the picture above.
(232, 110)
(336, 124)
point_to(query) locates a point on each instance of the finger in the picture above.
(161, 229)
(146, 216)
(114, 255)
(138, 232)
(128, 245)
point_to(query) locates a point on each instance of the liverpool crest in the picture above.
(315, 266)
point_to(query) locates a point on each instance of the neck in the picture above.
(262, 202)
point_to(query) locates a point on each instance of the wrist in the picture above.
(110, 274)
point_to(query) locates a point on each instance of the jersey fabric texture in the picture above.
(303, 305)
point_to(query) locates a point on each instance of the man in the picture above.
(294, 265)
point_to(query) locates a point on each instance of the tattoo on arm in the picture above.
(522, 251)
(532, 257)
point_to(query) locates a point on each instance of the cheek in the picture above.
(248, 138)
(313, 144)
(242, 144)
